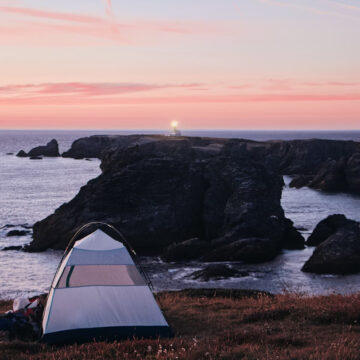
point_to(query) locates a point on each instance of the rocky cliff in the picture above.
(161, 192)
(328, 165)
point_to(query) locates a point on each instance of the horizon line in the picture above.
(169, 130)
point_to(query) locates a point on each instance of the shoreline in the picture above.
(229, 327)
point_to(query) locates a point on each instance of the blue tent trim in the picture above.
(107, 334)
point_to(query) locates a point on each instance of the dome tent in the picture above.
(98, 293)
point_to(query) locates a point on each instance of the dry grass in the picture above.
(266, 327)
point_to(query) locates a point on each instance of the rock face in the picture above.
(305, 157)
(338, 251)
(328, 165)
(167, 191)
(339, 172)
(334, 176)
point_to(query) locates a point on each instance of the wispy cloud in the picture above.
(52, 15)
(84, 89)
(95, 26)
(78, 93)
(291, 84)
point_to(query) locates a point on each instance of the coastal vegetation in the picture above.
(233, 324)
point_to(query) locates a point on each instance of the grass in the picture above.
(216, 325)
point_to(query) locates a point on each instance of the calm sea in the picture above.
(31, 190)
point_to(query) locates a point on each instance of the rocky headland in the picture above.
(328, 165)
(208, 199)
(170, 195)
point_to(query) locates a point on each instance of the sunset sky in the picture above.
(210, 64)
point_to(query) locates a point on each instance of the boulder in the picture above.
(18, 233)
(12, 248)
(338, 250)
(22, 153)
(164, 192)
(51, 149)
(338, 254)
(328, 227)
(36, 158)
(217, 272)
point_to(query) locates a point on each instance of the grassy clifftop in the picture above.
(210, 325)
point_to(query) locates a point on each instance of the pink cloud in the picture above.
(29, 91)
(291, 84)
(51, 15)
(89, 97)
(95, 26)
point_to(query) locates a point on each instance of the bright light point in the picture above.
(174, 124)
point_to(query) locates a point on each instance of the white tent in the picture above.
(98, 293)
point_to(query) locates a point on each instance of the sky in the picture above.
(209, 64)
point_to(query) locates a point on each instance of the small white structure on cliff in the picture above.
(175, 131)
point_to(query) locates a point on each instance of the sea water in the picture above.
(30, 190)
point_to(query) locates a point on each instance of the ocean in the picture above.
(31, 190)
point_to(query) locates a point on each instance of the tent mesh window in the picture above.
(100, 275)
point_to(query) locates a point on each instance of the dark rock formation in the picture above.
(186, 250)
(161, 192)
(329, 165)
(300, 181)
(21, 153)
(8, 226)
(12, 248)
(326, 228)
(334, 175)
(352, 173)
(305, 157)
(94, 146)
(217, 272)
(51, 149)
(18, 233)
(9, 153)
(248, 250)
(293, 240)
(339, 253)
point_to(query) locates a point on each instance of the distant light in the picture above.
(174, 124)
